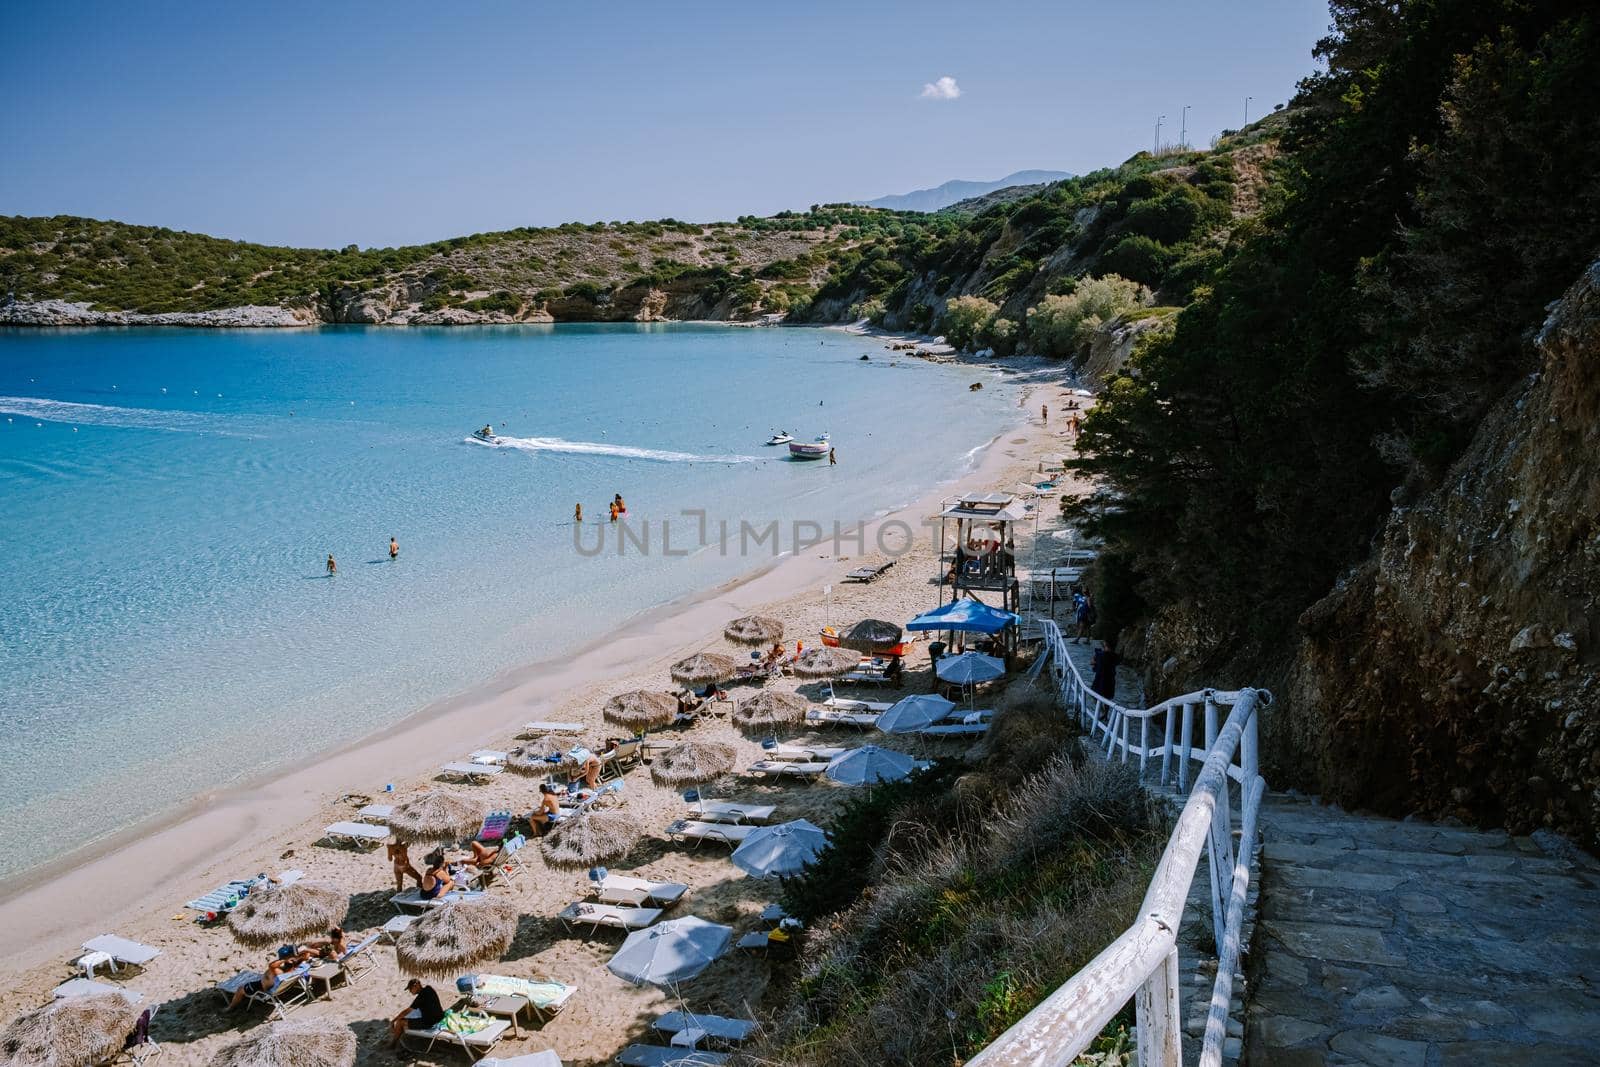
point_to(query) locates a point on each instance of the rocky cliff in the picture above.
(1457, 672)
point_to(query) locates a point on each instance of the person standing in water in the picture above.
(832, 462)
(577, 513)
(394, 549)
(333, 568)
(1044, 412)
(622, 508)
(613, 511)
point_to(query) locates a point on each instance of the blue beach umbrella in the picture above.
(915, 712)
(966, 616)
(670, 952)
(869, 765)
(969, 668)
(781, 850)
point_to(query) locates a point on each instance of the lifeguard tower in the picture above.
(978, 553)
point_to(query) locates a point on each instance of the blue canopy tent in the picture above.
(966, 615)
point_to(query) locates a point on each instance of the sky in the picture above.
(325, 124)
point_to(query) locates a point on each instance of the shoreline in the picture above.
(160, 862)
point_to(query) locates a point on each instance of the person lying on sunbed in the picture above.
(285, 960)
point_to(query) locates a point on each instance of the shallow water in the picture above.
(168, 499)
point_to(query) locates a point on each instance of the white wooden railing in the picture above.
(1142, 964)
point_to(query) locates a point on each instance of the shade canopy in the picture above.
(871, 635)
(969, 668)
(435, 818)
(705, 668)
(966, 615)
(293, 1043)
(913, 713)
(456, 937)
(641, 709)
(532, 760)
(770, 708)
(826, 662)
(693, 762)
(754, 630)
(591, 838)
(783, 850)
(868, 765)
(71, 1032)
(276, 914)
(669, 953)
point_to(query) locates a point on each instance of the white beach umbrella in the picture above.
(915, 712)
(782, 850)
(869, 765)
(670, 952)
(969, 668)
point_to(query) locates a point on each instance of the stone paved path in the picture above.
(1418, 945)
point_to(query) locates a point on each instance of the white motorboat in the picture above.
(817, 449)
(780, 438)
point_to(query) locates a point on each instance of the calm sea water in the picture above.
(168, 499)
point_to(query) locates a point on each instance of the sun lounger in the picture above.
(547, 1058)
(662, 1056)
(861, 720)
(413, 898)
(359, 834)
(851, 704)
(785, 769)
(534, 729)
(470, 772)
(85, 987)
(117, 952)
(716, 1027)
(474, 1044)
(727, 811)
(801, 753)
(292, 990)
(869, 674)
(225, 898)
(358, 961)
(613, 888)
(542, 996)
(871, 572)
(397, 926)
(618, 758)
(571, 803)
(581, 912)
(954, 729)
(375, 813)
(730, 834)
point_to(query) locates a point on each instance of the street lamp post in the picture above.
(1159, 121)
(1183, 135)
(1247, 109)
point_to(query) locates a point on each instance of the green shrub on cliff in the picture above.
(965, 318)
(1061, 325)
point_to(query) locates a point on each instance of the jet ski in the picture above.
(486, 435)
(780, 438)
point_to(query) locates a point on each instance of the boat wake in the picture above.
(65, 411)
(596, 448)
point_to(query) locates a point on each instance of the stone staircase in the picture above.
(1410, 944)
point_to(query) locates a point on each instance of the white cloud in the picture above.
(943, 89)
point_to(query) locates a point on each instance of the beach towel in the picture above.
(463, 1022)
(539, 994)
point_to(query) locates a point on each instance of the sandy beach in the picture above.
(136, 887)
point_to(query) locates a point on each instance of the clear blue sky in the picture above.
(328, 123)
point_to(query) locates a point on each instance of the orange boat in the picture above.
(830, 637)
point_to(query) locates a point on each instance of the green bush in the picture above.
(1061, 325)
(1138, 258)
(965, 318)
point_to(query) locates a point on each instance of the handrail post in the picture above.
(1249, 755)
(1166, 745)
(1211, 720)
(1188, 746)
(1158, 1016)
(1144, 744)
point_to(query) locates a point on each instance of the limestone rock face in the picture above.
(1113, 343)
(65, 313)
(1458, 671)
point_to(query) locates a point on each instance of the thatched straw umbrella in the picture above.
(456, 937)
(293, 1043)
(286, 913)
(754, 630)
(641, 710)
(826, 662)
(532, 759)
(436, 818)
(592, 838)
(704, 668)
(769, 709)
(71, 1032)
(871, 635)
(692, 763)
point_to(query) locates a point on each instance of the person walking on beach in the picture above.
(832, 462)
(1044, 412)
(1085, 615)
(400, 857)
(394, 549)
(1105, 669)
(333, 568)
(577, 513)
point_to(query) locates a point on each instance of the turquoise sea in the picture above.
(168, 499)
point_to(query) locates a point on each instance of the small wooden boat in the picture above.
(817, 449)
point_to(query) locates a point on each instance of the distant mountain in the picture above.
(950, 192)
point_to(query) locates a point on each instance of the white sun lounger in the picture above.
(292, 990)
(582, 912)
(376, 812)
(545, 997)
(547, 1058)
(625, 889)
(730, 834)
(413, 899)
(662, 1056)
(487, 755)
(359, 834)
(534, 729)
(85, 987)
(727, 811)
(955, 729)
(862, 720)
(852, 704)
(801, 753)
(470, 772)
(783, 769)
(216, 901)
(120, 951)
(473, 1044)
(721, 1028)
